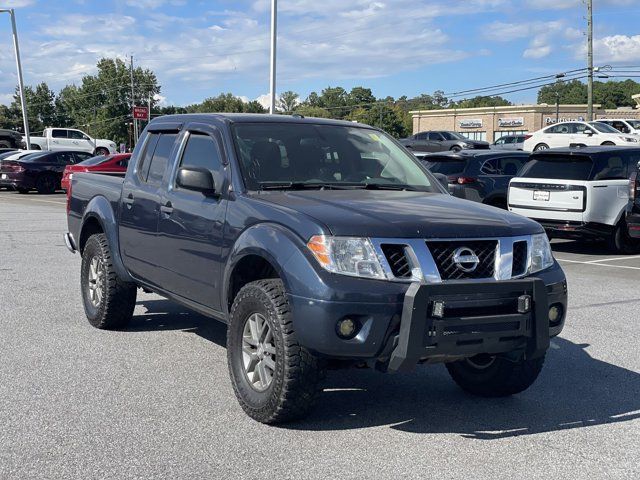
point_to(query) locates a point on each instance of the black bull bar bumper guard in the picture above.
(467, 319)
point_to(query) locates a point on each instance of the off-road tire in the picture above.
(47, 183)
(298, 373)
(115, 309)
(541, 146)
(101, 151)
(621, 242)
(500, 379)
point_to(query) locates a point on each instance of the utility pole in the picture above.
(274, 35)
(23, 100)
(149, 110)
(590, 60)
(133, 104)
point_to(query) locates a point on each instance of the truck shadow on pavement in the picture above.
(574, 390)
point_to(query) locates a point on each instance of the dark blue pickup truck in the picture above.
(321, 244)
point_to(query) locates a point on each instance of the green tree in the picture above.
(360, 96)
(312, 111)
(481, 101)
(225, 102)
(387, 117)
(287, 101)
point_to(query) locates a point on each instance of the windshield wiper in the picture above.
(298, 186)
(388, 186)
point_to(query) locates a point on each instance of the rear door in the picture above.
(552, 187)
(140, 205)
(190, 229)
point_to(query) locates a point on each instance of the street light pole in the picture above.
(23, 100)
(590, 60)
(274, 35)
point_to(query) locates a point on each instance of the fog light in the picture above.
(347, 328)
(555, 313)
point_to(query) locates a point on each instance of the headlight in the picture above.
(347, 256)
(541, 256)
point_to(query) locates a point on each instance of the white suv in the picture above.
(578, 193)
(567, 134)
(623, 125)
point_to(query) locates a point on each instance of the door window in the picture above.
(201, 151)
(145, 157)
(435, 136)
(511, 165)
(560, 128)
(76, 135)
(490, 167)
(160, 159)
(65, 158)
(422, 136)
(58, 133)
(81, 156)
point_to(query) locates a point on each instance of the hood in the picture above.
(388, 214)
(480, 143)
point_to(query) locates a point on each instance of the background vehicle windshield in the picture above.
(634, 123)
(273, 154)
(452, 136)
(558, 167)
(604, 128)
(97, 160)
(446, 166)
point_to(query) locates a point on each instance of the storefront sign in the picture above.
(552, 120)
(511, 122)
(471, 123)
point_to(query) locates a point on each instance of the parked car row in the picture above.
(567, 134)
(441, 141)
(70, 139)
(47, 172)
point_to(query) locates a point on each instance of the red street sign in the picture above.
(141, 113)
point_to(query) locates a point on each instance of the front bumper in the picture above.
(381, 323)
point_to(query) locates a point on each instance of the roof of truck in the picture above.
(253, 118)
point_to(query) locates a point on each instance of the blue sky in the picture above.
(396, 47)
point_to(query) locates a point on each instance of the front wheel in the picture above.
(491, 376)
(101, 151)
(47, 184)
(456, 148)
(275, 379)
(108, 301)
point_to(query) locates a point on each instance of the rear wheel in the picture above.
(541, 146)
(47, 183)
(490, 376)
(22, 190)
(274, 378)
(608, 144)
(108, 301)
(621, 242)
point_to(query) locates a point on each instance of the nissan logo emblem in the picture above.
(465, 259)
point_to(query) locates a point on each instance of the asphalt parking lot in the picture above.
(155, 401)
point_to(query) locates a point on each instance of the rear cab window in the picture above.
(446, 165)
(559, 167)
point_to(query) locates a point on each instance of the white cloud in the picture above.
(617, 48)
(264, 100)
(537, 52)
(153, 4)
(6, 98)
(16, 3)
(160, 99)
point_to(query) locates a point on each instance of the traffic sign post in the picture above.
(141, 113)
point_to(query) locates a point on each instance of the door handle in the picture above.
(167, 208)
(128, 200)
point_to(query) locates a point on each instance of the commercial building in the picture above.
(491, 123)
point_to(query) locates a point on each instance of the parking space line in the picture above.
(44, 201)
(597, 264)
(615, 259)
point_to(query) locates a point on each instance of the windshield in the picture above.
(97, 160)
(634, 124)
(452, 136)
(290, 155)
(558, 167)
(446, 166)
(604, 128)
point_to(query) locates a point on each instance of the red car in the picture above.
(115, 163)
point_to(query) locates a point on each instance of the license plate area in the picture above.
(541, 195)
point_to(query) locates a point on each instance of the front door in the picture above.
(190, 228)
(140, 208)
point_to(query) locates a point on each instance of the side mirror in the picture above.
(442, 178)
(587, 132)
(196, 179)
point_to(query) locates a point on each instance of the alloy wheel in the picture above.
(96, 271)
(258, 352)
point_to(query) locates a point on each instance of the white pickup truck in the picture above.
(71, 139)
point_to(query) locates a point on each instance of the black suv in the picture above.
(11, 139)
(442, 141)
(481, 176)
(633, 207)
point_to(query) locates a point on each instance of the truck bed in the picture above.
(87, 187)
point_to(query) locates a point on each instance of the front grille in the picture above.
(519, 265)
(397, 257)
(443, 254)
